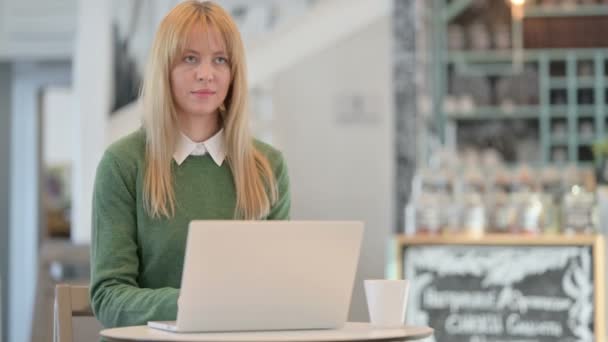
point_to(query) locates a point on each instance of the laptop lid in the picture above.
(268, 275)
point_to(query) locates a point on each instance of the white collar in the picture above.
(214, 146)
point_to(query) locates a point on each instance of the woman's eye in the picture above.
(190, 59)
(221, 60)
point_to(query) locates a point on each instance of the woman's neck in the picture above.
(199, 128)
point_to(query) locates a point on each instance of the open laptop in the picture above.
(266, 275)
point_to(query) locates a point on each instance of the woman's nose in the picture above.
(204, 72)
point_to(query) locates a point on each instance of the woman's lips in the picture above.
(203, 93)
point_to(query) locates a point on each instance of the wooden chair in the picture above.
(70, 301)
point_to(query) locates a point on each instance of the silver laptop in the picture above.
(267, 275)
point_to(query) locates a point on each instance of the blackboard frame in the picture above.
(596, 242)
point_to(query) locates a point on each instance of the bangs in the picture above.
(206, 23)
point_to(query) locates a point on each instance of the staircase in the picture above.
(34, 29)
(320, 25)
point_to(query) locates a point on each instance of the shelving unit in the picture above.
(572, 83)
(551, 11)
(491, 112)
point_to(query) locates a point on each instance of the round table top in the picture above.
(350, 332)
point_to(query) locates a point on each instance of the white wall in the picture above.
(326, 23)
(92, 84)
(57, 122)
(342, 170)
(2, 33)
(28, 80)
(35, 29)
(124, 121)
(5, 134)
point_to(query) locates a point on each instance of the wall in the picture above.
(43, 30)
(93, 89)
(340, 157)
(268, 54)
(5, 134)
(27, 82)
(58, 117)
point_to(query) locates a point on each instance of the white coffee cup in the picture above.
(386, 302)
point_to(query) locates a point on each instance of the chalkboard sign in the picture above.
(506, 289)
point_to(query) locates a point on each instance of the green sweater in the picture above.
(136, 260)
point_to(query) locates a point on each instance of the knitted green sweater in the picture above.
(136, 260)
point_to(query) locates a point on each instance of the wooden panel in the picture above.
(81, 305)
(569, 32)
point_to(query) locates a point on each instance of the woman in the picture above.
(193, 159)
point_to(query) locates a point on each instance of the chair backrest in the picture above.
(70, 301)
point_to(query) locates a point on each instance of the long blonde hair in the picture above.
(256, 189)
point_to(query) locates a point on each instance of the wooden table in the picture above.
(350, 332)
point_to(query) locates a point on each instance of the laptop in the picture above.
(266, 275)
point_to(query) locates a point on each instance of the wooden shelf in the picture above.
(562, 82)
(585, 110)
(559, 141)
(563, 141)
(521, 112)
(498, 239)
(490, 112)
(565, 69)
(544, 11)
(492, 56)
(586, 141)
(561, 111)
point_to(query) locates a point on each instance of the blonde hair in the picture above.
(256, 189)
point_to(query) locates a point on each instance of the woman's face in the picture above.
(200, 77)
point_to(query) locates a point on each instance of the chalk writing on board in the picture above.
(500, 293)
